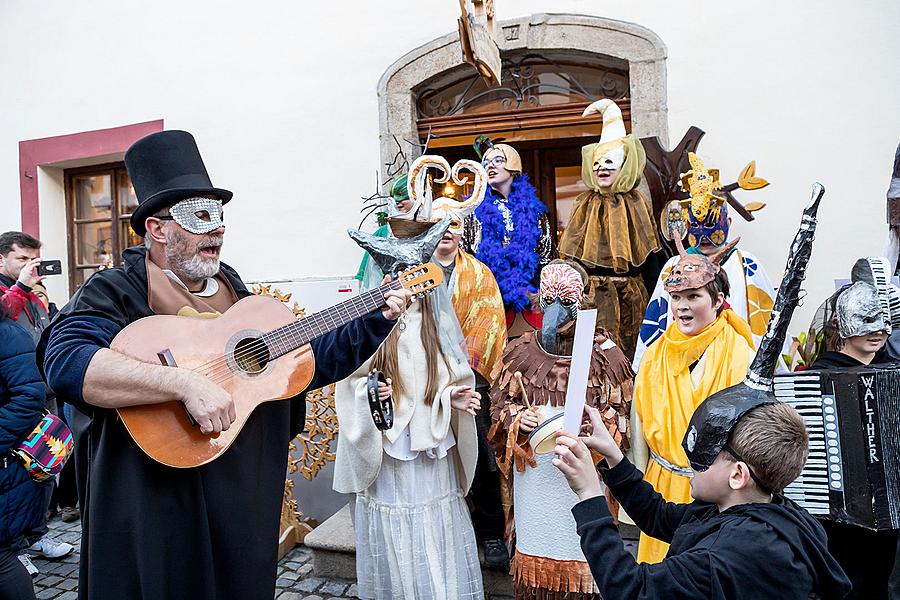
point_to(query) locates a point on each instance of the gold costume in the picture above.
(479, 310)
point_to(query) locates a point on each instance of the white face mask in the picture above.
(198, 215)
(612, 160)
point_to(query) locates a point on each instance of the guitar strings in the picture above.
(318, 323)
(218, 370)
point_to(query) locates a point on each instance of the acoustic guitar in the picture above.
(257, 351)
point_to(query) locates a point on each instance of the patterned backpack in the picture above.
(46, 449)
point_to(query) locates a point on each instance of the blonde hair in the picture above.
(387, 361)
(772, 439)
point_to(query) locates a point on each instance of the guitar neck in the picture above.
(290, 337)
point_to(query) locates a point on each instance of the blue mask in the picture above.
(710, 230)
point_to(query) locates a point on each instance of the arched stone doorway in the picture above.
(554, 65)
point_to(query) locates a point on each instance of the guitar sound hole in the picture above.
(251, 355)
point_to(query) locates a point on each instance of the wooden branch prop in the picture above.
(664, 168)
(747, 180)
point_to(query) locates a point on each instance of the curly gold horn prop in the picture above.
(418, 185)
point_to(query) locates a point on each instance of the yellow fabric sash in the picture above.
(479, 310)
(665, 398)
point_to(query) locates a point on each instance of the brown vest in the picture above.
(166, 297)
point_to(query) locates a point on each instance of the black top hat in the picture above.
(165, 168)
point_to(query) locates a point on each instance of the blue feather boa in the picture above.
(514, 265)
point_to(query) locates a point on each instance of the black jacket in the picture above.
(836, 360)
(747, 552)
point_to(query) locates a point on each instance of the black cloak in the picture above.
(155, 532)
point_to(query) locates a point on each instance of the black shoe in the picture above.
(495, 554)
(69, 514)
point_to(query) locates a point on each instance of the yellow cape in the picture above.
(665, 399)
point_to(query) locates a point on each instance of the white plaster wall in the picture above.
(281, 97)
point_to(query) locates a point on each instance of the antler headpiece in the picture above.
(695, 270)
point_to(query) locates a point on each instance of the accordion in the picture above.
(853, 417)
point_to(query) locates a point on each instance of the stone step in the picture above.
(333, 545)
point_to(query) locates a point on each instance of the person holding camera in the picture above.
(19, 264)
(19, 273)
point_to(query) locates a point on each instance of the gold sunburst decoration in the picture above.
(321, 427)
(314, 444)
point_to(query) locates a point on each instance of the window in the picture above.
(544, 94)
(99, 200)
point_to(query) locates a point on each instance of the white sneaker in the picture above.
(29, 566)
(50, 547)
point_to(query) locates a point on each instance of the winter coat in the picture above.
(21, 403)
(23, 306)
(750, 551)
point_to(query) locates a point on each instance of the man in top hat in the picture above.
(151, 531)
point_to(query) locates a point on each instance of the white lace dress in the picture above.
(414, 536)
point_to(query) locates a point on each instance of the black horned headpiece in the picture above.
(712, 422)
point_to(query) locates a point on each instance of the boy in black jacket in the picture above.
(738, 540)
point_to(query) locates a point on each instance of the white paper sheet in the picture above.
(576, 391)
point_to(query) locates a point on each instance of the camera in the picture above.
(49, 267)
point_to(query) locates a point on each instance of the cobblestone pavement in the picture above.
(58, 579)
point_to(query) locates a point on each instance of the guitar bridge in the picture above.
(166, 358)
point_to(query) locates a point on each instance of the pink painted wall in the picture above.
(75, 146)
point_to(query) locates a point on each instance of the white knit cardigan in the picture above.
(361, 445)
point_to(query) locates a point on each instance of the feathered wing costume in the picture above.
(548, 563)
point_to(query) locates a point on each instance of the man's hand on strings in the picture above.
(209, 405)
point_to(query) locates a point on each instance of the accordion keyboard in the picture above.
(823, 471)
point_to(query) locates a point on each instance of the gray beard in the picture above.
(190, 270)
(194, 270)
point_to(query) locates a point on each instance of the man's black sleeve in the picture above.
(70, 346)
(650, 511)
(339, 353)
